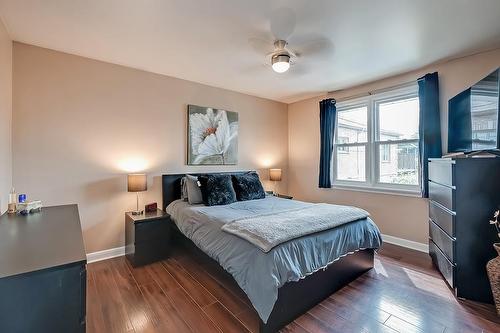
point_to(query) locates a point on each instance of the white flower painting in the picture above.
(212, 136)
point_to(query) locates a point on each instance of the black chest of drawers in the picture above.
(42, 272)
(463, 194)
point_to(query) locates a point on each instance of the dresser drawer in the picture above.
(442, 217)
(446, 268)
(441, 172)
(445, 243)
(151, 230)
(442, 195)
(148, 252)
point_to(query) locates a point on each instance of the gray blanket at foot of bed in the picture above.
(269, 230)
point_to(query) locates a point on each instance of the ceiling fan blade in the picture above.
(282, 22)
(261, 45)
(315, 47)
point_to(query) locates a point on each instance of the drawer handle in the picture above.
(438, 205)
(442, 253)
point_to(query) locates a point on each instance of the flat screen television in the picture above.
(473, 120)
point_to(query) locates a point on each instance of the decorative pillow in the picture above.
(217, 189)
(194, 195)
(248, 186)
(184, 194)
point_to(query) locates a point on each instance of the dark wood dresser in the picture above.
(463, 195)
(42, 272)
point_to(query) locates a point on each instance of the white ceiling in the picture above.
(218, 42)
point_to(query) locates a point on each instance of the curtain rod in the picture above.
(373, 92)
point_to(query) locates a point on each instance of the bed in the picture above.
(293, 276)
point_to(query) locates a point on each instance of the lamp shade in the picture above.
(137, 182)
(275, 175)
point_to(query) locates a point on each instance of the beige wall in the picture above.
(399, 216)
(5, 117)
(79, 124)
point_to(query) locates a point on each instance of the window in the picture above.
(385, 154)
(376, 142)
(343, 149)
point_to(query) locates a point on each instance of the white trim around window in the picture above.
(371, 142)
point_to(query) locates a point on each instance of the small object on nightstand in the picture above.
(29, 207)
(283, 196)
(147, 237)
(22, 198)
(151, 208)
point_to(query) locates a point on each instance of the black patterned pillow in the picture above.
(248, 186)
(217, 189)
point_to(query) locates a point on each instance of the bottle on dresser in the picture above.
(12, 202)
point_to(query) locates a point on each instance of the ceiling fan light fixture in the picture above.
(280, 63)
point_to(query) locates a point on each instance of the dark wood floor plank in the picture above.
(199, 293)
(349, 312)
(314, 325)
(294, 328)
(170, 320)
(349, 321)
(113, 309)
(95, 320)
(224, 319)
(250, 319)
(139, 311)
(413, 304)
(402, 326)
(140, 274)
(163, 278)
(191, 312)
(404, 293)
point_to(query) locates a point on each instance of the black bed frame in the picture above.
(294, 298)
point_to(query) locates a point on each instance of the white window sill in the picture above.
(381, 190)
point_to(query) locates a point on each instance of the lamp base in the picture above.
(137, 212)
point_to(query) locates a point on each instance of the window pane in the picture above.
(399, 163)
(352, 125)
(484, 116)
(398, 120)
(351, 163)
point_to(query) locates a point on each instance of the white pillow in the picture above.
(193, 190)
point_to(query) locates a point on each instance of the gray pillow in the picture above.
(184, 194)
(193, 190)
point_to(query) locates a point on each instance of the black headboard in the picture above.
(171, 185)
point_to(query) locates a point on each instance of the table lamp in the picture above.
(137, 182)
(274, 176)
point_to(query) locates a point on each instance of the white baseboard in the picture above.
(120, 251)
(406, 243)
(105, 254)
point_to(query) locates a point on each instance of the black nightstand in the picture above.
(147, 237)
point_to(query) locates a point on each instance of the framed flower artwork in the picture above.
(212, 136)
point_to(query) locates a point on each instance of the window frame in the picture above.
(372, 182)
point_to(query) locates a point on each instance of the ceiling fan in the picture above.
(282, 27)
(281, 56)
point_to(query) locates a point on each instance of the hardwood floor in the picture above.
(403, 293)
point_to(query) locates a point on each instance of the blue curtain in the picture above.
(429, 126)
(327, 116)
